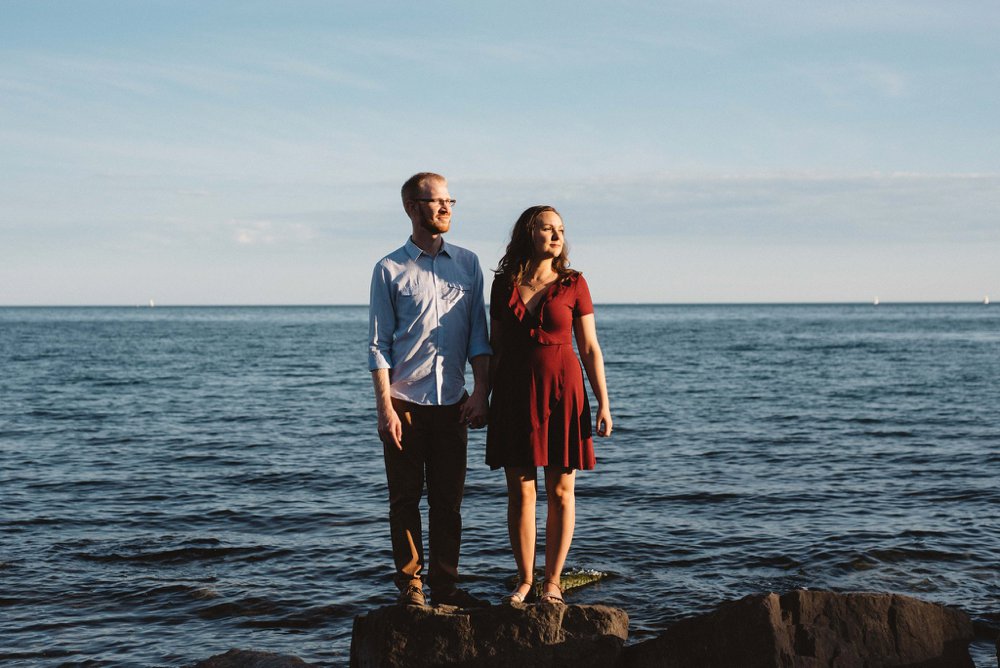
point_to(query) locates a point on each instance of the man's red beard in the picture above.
(435, 226)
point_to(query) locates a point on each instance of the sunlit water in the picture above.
(175, 482)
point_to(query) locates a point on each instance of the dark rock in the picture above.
(522, 636)
(242, 658)
(814, 629)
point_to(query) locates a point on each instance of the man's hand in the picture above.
(390, 429)
(475, 411)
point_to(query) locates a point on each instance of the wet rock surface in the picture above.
(243, 658)
(524, 636)
(813, 629)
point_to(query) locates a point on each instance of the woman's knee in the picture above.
(521, 486)
(562, 497)
(521, 495)
(560, 483)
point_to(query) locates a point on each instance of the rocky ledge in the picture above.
(813, 629)
(800, 629)
(523, 636)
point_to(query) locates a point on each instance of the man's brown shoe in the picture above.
(459, 598)
(412, 595)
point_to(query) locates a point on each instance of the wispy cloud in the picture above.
(230, 72)
(269, 232)
(847, 83)
(799, 207)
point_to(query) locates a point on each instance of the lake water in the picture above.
(175, 482)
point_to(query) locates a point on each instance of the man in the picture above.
(426, 317)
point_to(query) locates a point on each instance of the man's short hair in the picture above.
(413, 184)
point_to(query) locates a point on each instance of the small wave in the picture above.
(656, 500)
(245, 607)
(116, 382)
(863, 420)
(862, 564)
(835, 347)
(900, 554)
(880, 433)
(169, 593)
(304, 619)
(781, 561)
(937, 494)
(743, 348)
(35, 522)
(299, 478)
(781, 418)
(47, 653)
(76, 485)
(187, 554)
(54, 414)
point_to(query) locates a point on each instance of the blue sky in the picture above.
(710, 151)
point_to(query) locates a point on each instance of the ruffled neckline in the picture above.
(520, 309)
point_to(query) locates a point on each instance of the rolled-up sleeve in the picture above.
(479, 337)
(381, 320)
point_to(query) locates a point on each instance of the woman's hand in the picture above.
(475, 410)
(604, 421)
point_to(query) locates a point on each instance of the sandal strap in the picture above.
(549, 596)
(518, 597)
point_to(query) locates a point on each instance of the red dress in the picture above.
(539, 412)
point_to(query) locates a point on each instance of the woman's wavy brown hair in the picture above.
(515, 260)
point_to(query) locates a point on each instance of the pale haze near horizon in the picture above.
(251, 153)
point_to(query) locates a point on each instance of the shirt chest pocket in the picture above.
(410, 289)
(454, 291)
(412, 299)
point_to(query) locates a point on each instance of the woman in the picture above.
(540, 415)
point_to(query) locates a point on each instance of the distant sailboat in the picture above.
(875, 303)
(986, 300)
(151, 303)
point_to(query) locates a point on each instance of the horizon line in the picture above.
(622, 303)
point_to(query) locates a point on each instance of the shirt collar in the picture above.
(414, 251)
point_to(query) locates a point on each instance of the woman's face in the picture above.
(547, 236)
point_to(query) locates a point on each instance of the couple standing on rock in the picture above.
(426, 318)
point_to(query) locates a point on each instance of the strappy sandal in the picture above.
(549, 597)
(517, 597)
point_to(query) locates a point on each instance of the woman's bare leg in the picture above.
(521, 495)
(559, 524)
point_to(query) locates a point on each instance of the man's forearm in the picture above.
(481, 374)
(383, 399)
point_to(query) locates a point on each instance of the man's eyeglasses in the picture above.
(439, 202)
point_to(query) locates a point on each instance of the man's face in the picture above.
(435, 215)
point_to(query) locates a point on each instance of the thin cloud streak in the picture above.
(827, 208)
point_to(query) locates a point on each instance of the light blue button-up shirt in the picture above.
(426, 317)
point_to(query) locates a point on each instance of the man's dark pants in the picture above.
(434, 448)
